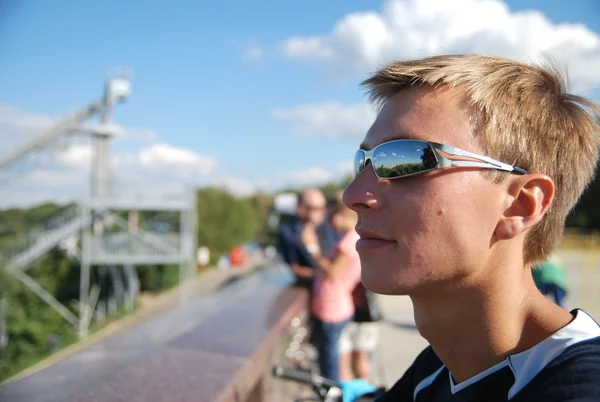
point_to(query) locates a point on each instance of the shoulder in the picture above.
(427, 361)
(287, 227)
(424, 370)
(572, 376)
(568, 360)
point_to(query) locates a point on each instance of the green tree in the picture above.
(262, 206)
(224, 221)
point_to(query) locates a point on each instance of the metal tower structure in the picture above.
(93, 230)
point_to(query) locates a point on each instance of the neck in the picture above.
(478, 324)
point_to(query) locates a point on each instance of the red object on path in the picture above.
(237, 257)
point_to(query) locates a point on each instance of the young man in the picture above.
(462, 183)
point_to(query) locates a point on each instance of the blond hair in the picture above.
(521, 115)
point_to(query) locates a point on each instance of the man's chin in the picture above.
(384, 287)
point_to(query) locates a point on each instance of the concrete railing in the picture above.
(217, 348)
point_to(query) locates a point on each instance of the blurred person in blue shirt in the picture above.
(311, 211)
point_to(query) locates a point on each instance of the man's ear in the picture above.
(530, 197)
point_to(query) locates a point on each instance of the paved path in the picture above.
(583, 277)
(203, 284)
(400, 342)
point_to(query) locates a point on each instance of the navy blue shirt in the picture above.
(565, 367)
(328, 237)
(292, 249)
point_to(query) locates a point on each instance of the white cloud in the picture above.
(16, 118)
(16, 125)
(161, 168)
(51, 177)
(141, 134)
(253, 51)
(56, 183)
(404, 29)
(250, 49)
(328, 119)
(159, 156)
(79, 155)
(310, 176)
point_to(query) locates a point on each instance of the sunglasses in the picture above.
(402, 158)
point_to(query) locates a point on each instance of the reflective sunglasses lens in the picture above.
(402, 158)
(359, 162)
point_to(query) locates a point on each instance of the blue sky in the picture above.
(223, 94)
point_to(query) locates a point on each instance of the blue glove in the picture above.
(355, 388)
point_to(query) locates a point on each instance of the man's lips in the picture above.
(368, 234)
(370, 240)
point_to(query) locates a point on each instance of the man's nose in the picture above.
(361, 193)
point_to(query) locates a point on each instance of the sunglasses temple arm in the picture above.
(484, 165)
(484, 161)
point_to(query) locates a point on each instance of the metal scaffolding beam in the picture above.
(44, 138)
(116, 90)
(47, 297)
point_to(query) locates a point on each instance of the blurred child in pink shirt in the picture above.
(338, 274)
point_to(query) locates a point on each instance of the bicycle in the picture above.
(327, 390)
